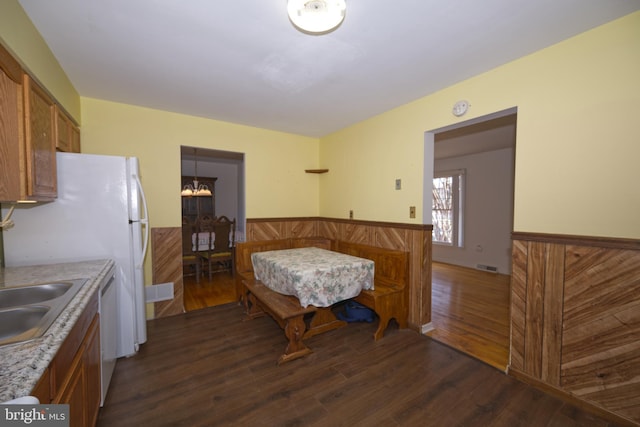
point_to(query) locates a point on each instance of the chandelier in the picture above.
(316, 16)
(195, 189)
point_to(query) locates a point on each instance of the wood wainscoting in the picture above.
(415, 239)
(166, 259)
(411, 238)
(575, 319)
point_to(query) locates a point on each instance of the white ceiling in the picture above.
(242, 61)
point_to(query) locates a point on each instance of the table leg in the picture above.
(294, 330)
(323, 320)
(252, 307)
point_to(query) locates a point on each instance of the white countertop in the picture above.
(22, 364)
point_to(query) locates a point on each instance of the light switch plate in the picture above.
(398, 184)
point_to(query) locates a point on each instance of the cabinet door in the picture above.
(73, 392)
(40, 142)
(75, 139)
(42, 390)
(92, 371)
(11, 128)
(206, 207)
(63, 134)
(67, 133)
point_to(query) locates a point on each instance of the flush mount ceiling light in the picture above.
(316, 16)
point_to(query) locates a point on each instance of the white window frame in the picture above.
(457, 223)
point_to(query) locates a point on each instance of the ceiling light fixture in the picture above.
(316, 16)
(196, 189)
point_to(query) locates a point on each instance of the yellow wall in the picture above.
(18, 34)
(576, 155)
(577, 148)
(276, 184)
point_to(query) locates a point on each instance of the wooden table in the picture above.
(291, 283)
(315, 276)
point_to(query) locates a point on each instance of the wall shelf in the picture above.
(316, 170)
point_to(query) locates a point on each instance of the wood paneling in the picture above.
(534, 309)
(575, 318)
(552, 316)
(601, 346)
(518, 299)
(391, 238)
(420, 278)
(328, 229)
(166, 244)
(356, 233)
(302, 228)
(415, 239)
(265, 231)
(543, 311)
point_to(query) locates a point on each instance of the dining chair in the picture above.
(221, 253)
(190, 259)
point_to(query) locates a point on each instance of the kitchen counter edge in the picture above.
(22, 364)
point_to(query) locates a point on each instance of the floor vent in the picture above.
(490, 268)
(159, 292)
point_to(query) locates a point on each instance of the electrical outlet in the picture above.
(412, 211)
(398, 184)
(351, 214)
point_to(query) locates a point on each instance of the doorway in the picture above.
(471, 276)
(224, 174)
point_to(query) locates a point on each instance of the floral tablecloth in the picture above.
(315, 276)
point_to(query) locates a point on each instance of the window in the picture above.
(447, 208)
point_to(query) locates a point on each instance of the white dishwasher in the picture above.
(108, 330)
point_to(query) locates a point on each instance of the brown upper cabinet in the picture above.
(68, 134)
(40, 137)
(12, 186)
(32, 127)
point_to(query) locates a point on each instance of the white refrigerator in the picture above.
(100, 213)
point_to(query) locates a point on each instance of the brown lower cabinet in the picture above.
(73, 376)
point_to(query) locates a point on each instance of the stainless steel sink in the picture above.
(27, 312)
(25, 295)
(18, 320)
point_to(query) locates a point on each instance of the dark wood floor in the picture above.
(470, 308)
(209, 367)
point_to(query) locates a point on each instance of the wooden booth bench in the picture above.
(290, 315)
(389, 298)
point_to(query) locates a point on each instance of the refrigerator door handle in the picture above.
(144, 219)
